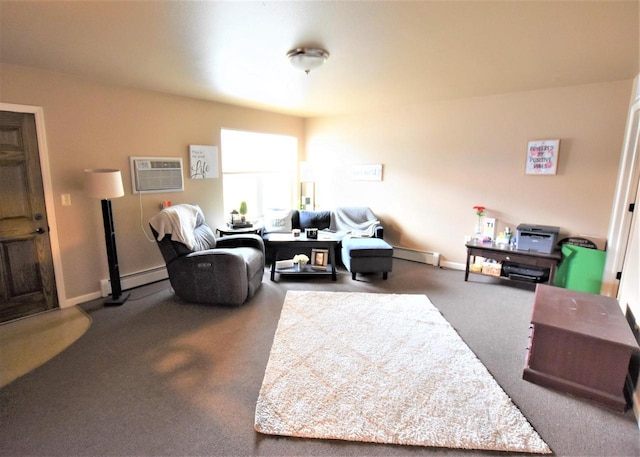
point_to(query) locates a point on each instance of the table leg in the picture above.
(466, 270)
(332, 261)
(273, 264)
(552, 273)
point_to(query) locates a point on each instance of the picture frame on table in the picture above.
(489, 228)
(319, 259)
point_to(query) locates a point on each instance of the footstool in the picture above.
(367, 255)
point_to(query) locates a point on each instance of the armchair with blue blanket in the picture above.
(201, 268)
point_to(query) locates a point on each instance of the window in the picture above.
(259, 169)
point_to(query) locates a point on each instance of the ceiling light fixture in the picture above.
(307, 59)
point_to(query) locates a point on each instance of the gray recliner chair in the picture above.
(203, 269)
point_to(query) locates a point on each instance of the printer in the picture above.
(536, 238)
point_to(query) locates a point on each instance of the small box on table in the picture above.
(492, 268)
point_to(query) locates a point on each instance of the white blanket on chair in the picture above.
(357, 221)
(179, 221)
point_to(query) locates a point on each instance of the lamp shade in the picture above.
(103, 183)
(306, 172)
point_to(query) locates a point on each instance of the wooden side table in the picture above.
(580, 344)
(226, 230)
(501, 253)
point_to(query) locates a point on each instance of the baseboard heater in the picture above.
(137, 279)
(141, 278)
(430, 258)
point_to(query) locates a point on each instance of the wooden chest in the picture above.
(580, 344)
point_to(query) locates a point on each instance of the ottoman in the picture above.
(367, 255)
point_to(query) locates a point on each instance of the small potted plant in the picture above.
(243, 210)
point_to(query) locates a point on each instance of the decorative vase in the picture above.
(477, 231)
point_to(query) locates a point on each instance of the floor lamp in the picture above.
(107, 184)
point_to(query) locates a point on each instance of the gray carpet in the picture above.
(158, 376)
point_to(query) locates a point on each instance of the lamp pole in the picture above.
(117, 297)
(106, 184)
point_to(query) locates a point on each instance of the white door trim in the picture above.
(628, 177)
(45, 170)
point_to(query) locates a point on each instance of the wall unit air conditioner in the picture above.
(156, 174)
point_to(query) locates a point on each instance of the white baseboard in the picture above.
(453, 265)
(132, 280)
(430, 258)
(141, 278)
(80, 299)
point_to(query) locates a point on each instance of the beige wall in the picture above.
(441, 159)
(92, 125)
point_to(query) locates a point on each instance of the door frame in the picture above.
(45, 171)
(626, 189)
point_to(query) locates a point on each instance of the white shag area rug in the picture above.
(383, 368)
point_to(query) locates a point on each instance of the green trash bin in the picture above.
(581, 269)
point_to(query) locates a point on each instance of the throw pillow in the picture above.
(315, 219)
(277, 220)
(204, 238)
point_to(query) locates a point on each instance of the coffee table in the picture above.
(325, 240)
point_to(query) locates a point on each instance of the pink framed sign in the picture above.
(542, 157)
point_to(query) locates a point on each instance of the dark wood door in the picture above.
(27, 281)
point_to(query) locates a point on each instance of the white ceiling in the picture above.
(383, 53)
